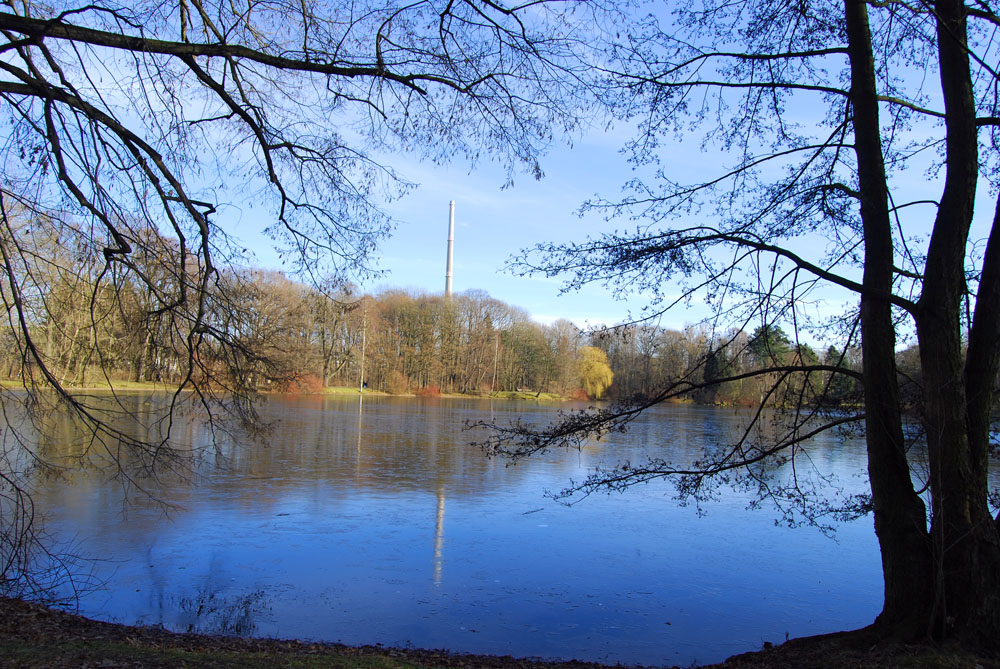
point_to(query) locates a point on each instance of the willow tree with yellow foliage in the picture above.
(594, 371)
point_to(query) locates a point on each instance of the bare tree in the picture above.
(823, 111)
(131, 130)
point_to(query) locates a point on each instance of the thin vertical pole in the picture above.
(451, 246)
(496, 359)
(364, 343)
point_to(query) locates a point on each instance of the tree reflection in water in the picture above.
(333, 528)
(210, 612)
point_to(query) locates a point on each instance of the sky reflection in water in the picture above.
(403, 534)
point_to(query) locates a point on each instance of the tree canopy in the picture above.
(850, 143)
(769, 343)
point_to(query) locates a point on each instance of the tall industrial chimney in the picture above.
(451, 244)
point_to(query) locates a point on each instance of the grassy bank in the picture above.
(102, 384)
(500, 395)
(150, 386)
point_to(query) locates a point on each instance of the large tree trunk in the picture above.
(982, 368)
(983, 359)
(900, 515)
(966, 545)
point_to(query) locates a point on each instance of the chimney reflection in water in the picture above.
(439, 535)
(439, 520)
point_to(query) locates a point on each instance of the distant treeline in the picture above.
(300, 338)
(734, 367)
(293, 337)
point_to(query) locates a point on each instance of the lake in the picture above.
(386, 526)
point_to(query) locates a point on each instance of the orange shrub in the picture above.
(307, 384)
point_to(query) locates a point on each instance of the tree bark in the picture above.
(982, 365)
(981, 370)
(966, 546)
(900, 515)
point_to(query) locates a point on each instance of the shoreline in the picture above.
(33, 635)
(334, 391)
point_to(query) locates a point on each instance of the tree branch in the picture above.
(40, 30)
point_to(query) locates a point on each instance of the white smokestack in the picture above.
(451, 244)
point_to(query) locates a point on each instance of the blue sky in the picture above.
(494, 223)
